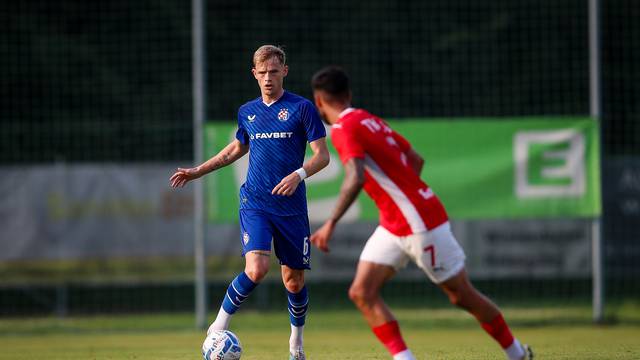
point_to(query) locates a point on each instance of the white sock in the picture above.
(221, 322)
(515, 351)
(295, 341)
(404, 355)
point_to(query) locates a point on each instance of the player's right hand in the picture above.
(321, 237)
(183, 176)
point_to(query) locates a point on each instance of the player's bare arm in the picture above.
(318, 161)
(351, 186)
(415, 161)
(232, 152)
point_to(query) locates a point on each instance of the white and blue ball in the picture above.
(221, 345)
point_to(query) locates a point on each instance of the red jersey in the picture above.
(406, 204)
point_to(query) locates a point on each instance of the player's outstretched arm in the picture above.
(232, 152)
(318, 161)
(351, 186)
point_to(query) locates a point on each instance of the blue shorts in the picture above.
(290, 236)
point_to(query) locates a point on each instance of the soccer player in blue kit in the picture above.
(274, 129)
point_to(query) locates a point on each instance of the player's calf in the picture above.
(499, 330)
(297, 304)
(237, 292)
(389, 335)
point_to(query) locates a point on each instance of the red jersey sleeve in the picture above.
(345, 139)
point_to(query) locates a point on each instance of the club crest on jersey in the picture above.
(245, 238)
(283, 115)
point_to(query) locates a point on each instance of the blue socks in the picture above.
(298, 304)
(239, 290)
(237, 293)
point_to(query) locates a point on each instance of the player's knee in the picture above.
(356, 296)
(256, 273)
(293, 280)
(359, 295)
(294, 285)
(455, 298)
(459, 298)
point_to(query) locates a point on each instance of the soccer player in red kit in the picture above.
(413, 222)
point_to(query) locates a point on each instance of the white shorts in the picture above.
(436, 251)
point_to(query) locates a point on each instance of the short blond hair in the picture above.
(266, 52)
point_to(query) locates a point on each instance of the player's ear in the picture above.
(285, 71)
(253, 71)
(317, 98)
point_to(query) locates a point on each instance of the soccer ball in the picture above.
(221, 345)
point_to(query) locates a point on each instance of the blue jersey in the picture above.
(277, 135)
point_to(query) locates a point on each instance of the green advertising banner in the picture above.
(480, 169)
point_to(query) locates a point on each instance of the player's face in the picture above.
(270, 75)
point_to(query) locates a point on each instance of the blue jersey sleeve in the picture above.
(312, 124)
(241, 133)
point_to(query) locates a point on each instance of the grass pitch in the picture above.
(555, 333)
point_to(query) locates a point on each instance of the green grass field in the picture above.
(555, 333)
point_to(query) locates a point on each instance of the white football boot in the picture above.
(297, 355)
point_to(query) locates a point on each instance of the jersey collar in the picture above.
(274, 101)
(345, 112)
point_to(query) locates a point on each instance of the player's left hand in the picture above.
(320, 238)
(288, 185)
